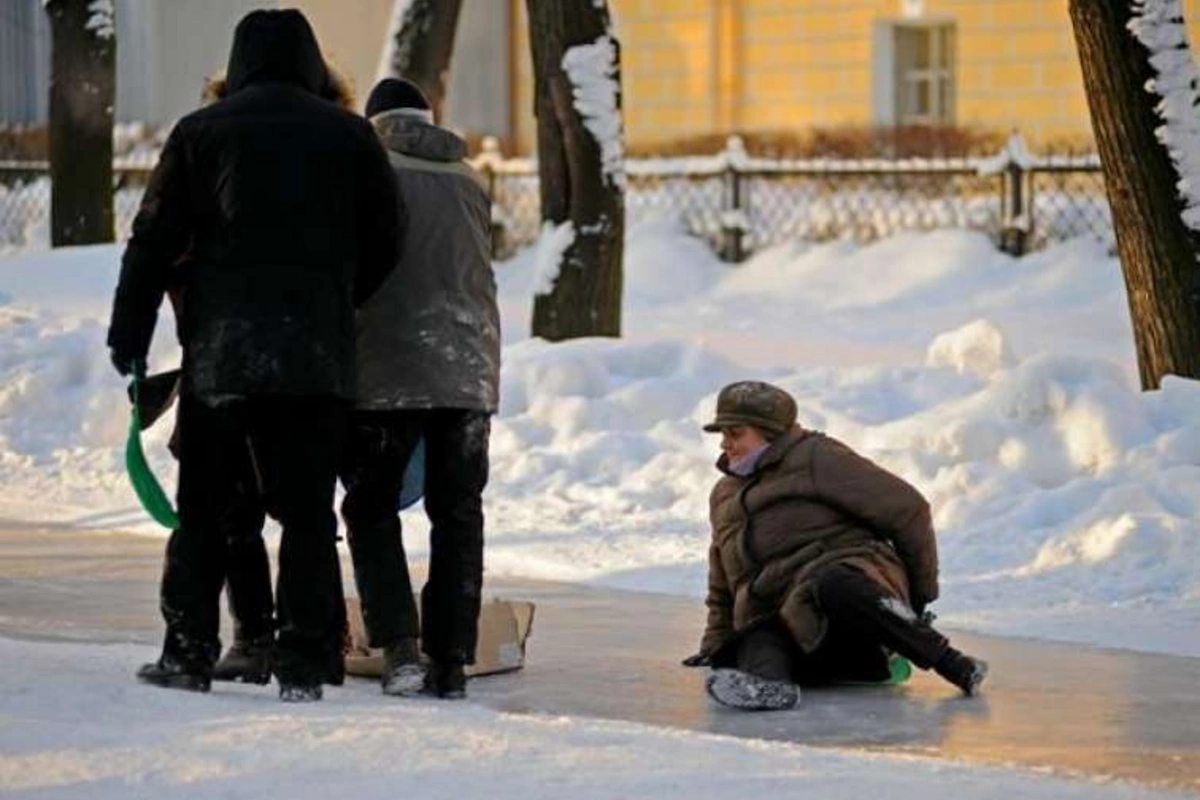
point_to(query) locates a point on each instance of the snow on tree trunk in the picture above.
(577, 102)
(82, 96)
(1141, 88)
(419, 45)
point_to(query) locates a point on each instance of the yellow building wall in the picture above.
(694, 67)
(351, 34)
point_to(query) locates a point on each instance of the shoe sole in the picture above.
(735, 689)
(259, 678)
(185, 683)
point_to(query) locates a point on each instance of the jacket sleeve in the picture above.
(885, 503)
(161, 232)
(382, 223)
(719, 627)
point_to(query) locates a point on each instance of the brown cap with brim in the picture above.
(754, 403)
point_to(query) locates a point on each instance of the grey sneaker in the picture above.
(741, 690)
(300, 692)
(403, 673)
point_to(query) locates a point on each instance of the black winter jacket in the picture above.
(275, 213)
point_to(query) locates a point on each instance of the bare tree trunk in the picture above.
(580, 164)
(420, 48)
(1158, 249)
(82, 96)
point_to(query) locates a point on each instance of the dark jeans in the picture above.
(456, 472)
(287, 449)
(865, 622)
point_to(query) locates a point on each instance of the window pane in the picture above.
(923, 99)
(946, 100)
(923, 57)
(946, 51)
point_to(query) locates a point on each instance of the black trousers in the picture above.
(237, 462)
(456, 471)
(865, 623)
(247, 566)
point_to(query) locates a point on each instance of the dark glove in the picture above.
(125, 364)
(698, 660)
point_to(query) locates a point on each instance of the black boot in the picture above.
(403, 673)
(963, 671)
(446, 680)
(171, 673)
(247, 661)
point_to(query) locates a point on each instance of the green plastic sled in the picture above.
(145, 485)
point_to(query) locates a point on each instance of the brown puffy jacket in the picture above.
(811, 502)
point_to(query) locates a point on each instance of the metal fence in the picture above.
(740, 203)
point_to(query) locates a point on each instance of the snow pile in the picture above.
(1066, 500)
(978, 349)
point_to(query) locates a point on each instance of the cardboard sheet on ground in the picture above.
(504, 627)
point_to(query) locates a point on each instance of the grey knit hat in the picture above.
(754, 403)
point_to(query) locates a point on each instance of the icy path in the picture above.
(74, 726)
(71, 715)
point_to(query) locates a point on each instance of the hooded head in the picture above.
(338, 89)
(275, 46)
(397, 94)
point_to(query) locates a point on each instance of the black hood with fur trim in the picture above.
(273, 45)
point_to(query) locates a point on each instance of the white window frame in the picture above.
(895, 85)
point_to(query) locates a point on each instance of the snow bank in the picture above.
(1066, 500)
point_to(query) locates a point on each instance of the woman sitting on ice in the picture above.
(821, 562)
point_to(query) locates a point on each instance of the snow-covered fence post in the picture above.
(419, 45)
(82, 95)
(581, 168)
(733, 215)
(486, 163)
(1141, 84)
(1016, 221)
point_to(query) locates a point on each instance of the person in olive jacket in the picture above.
(821, 562)
(428, 368)
(285, 208)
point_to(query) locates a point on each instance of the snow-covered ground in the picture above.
(100, 735)
(1067, 502)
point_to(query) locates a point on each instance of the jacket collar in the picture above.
(404, 133)
(772, 455)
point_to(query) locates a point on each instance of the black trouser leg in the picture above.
(456, 472)
(248, 569)
(296, 446)
(194, 568)
(379, 447)
(767, 652)
(855, 603)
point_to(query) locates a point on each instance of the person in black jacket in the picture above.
(286, 209)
